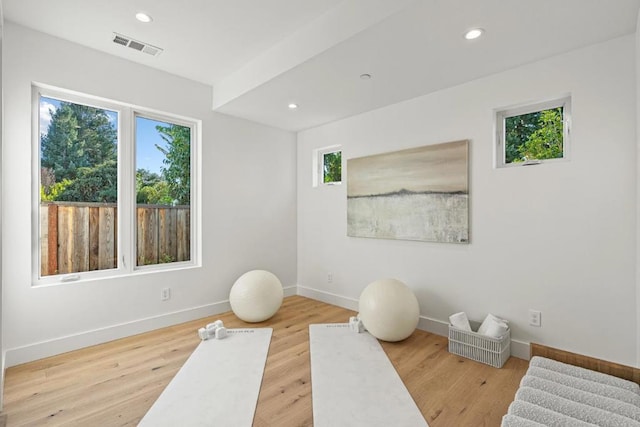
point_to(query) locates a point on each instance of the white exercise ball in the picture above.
(389, 310)
(256, 296)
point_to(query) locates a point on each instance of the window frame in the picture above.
(502, 114)
(318, 165)
(126, 202)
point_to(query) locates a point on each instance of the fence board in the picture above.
(52, 244)
(183, 236)
(44, 241)
(115, 237)
(147, 236)
(73, 230)
(108, 238)
(167, 235)
(94, 237)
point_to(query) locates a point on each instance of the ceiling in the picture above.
(261, 55)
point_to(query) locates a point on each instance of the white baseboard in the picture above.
(290, 291)
(31, 352)
(329, 298)
(519, 349)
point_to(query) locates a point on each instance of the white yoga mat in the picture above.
(217, 386)
(353, 382)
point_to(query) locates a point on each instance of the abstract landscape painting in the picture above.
(416, 194)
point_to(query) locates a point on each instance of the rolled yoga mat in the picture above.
(217, 386)
(353, 382)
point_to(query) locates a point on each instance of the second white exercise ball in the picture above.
(256, 296)
(389, 310)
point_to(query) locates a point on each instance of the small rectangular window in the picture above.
(533, 134)
(327, 166)
(332, 167)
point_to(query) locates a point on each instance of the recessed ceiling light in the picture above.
(293, 106)
(473, 33)
(143, 17)
(365, 76)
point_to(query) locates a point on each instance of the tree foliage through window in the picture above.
(80, 150)
(332, 167)
(79, 158)
(534, 136)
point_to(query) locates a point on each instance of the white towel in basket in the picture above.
(460, 321)
(493, 326)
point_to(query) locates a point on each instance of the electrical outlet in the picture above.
(329, 277)
(165, 294)
(535, 318)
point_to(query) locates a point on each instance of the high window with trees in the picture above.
(328, 165)
(332, 167)
(114, 188)
(533, 133)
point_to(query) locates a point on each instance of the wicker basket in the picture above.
(481, 348)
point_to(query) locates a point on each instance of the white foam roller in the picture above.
(256, 296)
(600, 389)
(573, 409)
(544, 416)
(515, 421)
(580, 396)
(389, 310)
(586, 374)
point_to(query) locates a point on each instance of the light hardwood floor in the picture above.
(114, 384)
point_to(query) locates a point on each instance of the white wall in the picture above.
(2, 360)
(638, 189)
(560, 238)
(248, 206)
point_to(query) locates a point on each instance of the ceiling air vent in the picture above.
(136, 44)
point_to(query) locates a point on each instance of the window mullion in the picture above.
(126, 199)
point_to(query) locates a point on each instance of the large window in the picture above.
(533, 133)
(114, 189)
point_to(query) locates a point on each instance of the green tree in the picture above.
(157, 194)
(332, 167)
(518, 130)
(95, 184)
(52, 192)
(546, 141)
(151, 189)
(78, 137)
(60, 150)
(177, 162)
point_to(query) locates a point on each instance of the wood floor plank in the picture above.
(114, 384)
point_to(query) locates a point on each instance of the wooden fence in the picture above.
(78, 237)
